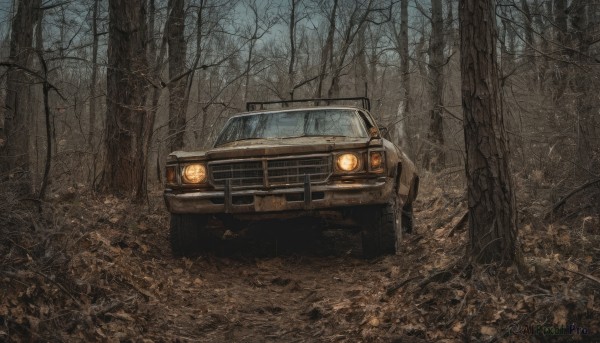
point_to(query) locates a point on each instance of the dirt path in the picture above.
(285, 282)
(318, 291)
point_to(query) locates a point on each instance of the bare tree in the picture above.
(14, 153)
(327, 50)
(358, 16)
(292, 32)
(492, 212)
(435, 157)
(126, 99)
(584, 34)
(260, 26)
(93, 84)
(177, 56)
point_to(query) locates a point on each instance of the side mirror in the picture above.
(373, 132)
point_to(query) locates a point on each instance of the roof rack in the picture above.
(253, 106)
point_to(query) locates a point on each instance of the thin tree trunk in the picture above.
(529, 48)
(197, 58)
(561, 31)
(292, 32)
(492, 212)
(48, 164)
(200, 74)
(405, 70)
(327, 52)
(156, 91)
(435, 158)
(93, 82)
(360, 81)
(585, 87)
(177, 55)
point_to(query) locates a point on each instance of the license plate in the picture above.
(269, 203)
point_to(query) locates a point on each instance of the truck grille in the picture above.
(280, 172)
(292, 171)
(240, 173)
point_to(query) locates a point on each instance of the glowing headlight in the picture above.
(194, 173)
(347, 162)
(376, 161)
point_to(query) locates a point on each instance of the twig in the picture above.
(588, 276)
(112, 306)
(392, 289)
(438, 277)
(563, 200)
(62, 288)
(461, 223)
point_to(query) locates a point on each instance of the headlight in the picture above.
(376, 161)
(170, 172)
(194, 173)
(347, 162)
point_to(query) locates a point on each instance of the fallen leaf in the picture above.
(488, 330)
(560, 316)
(374, 322)
(457, 327)
(121, 315)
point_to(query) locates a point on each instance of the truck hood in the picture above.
(278, 146)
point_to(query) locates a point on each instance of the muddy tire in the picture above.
(407, 218)
(187, 234)
(382, 234)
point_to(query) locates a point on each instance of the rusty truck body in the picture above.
(287, 162)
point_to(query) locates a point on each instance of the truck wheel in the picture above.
(187, 233)
(383, 234)
(407, 218)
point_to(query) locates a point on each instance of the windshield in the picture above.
(334, 122)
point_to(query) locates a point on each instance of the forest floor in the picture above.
(92, 268)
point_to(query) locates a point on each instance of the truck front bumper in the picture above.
(309, 197)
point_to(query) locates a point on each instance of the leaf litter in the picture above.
(93, 268)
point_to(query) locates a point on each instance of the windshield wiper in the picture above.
(242, 139)
(317, 135)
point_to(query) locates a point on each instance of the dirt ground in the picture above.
(90, 268)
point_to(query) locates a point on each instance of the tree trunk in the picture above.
(199, 30)
(585, 88)
(292, 32)
(529, 48)
(93, 82)
(177, 52)
(327, 52)
(360, 66)
(561, 32)
(14, 153)
(126, 98)
(405, 67)
(401, 42)
(154, 93)
(492, 213)
(435, 158)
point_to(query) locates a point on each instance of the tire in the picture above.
(382, 235)
(407, 218)
(188, 234)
